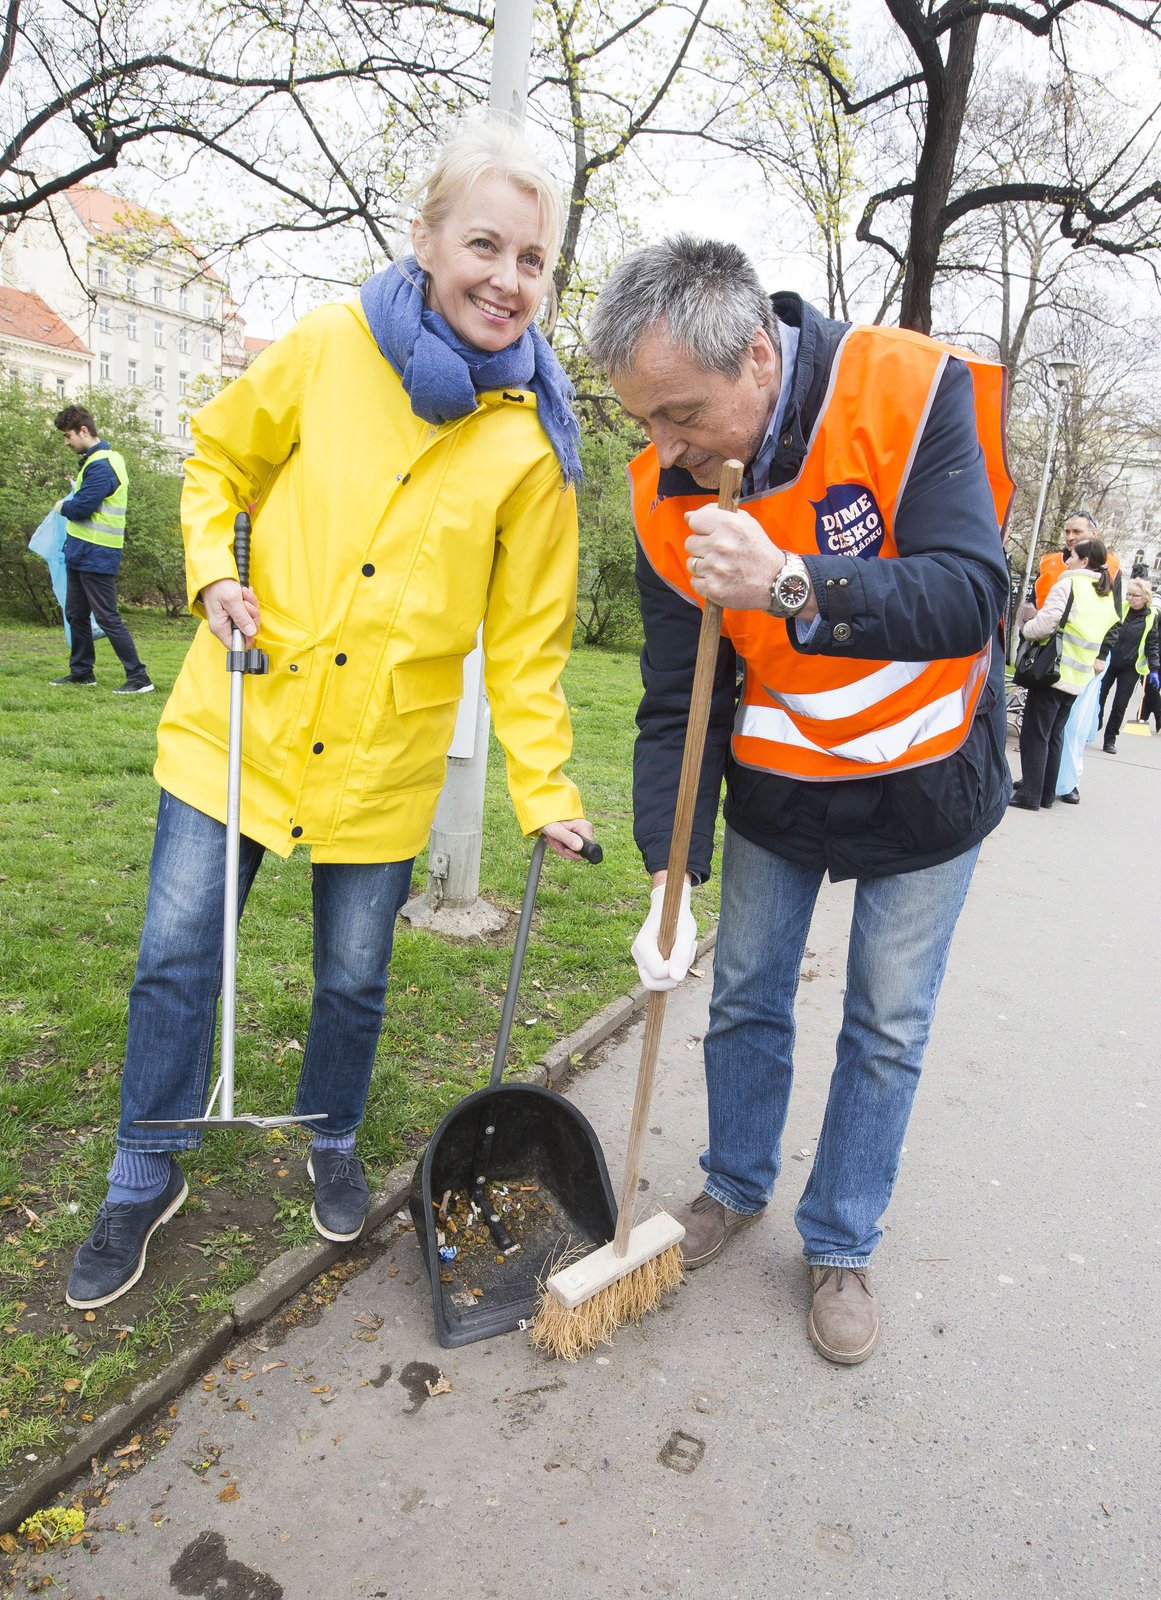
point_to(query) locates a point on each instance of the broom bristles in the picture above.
(571, 1334)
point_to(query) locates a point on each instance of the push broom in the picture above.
(584, 1302)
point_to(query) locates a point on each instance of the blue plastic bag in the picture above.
(48, 543)
(1079, 730)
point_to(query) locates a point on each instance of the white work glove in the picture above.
(657, 973)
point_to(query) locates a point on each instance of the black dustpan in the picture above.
(526, 1164)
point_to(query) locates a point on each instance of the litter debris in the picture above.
(440, 1386)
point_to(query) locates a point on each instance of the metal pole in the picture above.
(1060, 371)
(456, 841)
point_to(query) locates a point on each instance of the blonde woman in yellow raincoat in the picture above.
(410, 457)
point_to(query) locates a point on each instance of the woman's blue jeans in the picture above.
(901, 931)
(174, 999)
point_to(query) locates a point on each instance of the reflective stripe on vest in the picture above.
(1091, 617)
(828, 717)
(106, 526)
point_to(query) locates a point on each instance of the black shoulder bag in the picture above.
(1038, 660)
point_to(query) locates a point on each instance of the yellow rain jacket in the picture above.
(379, 544)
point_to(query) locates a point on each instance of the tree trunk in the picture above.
(947, 91)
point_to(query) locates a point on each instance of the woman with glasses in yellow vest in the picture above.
(1090, 617)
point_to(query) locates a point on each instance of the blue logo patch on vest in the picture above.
(847, 522)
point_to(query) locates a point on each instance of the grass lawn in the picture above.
(77, 803)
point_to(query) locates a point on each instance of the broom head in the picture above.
(585, 1302)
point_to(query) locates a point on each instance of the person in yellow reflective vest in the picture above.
(1134, 653)
(94, 516)
(1091, 617)
(410, 458)
(858, 708)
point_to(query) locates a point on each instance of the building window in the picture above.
(104, 366)
(14, 374)
(158, 422)
(102, 274)
(133, 372)
(183, 298)
(131, 325)
(183, 427)
(158, 293)
(103, 319)
(130, 280)
(158, 336)
(183, 383)
(183, 340)
(207, 345)
(159, 378)
(60, 388)
(207, 305)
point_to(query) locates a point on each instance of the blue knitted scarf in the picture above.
(442, 374)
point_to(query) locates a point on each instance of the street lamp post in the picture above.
(1060, 370)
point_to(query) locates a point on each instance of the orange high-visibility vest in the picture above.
(830, 717)
(1052, 567)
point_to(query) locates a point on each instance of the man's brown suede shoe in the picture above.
(844, 1319)
(708, 1224)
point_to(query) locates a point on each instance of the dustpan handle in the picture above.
(593, 854)
(528, 905)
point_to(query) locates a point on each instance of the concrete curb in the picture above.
(275, 1285)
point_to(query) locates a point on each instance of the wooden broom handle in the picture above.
(695, 732)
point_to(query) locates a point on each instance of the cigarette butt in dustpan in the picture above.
(584, 1302)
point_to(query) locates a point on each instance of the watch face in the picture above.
(793, 589)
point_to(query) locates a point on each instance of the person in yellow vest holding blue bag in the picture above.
(95, 519)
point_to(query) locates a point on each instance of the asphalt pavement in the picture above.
(1002, 1441)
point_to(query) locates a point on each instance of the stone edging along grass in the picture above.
(274, 1285)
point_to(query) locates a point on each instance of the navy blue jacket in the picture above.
(944, 597)
(98, 482)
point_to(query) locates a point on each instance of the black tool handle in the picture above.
(593, 853)
(238, 658)
(242, 546)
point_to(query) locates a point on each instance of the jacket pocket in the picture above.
(410, 745)
(272, 702)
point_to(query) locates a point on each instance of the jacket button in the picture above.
(841, 632)
(368, 570)
(293, 667)
(341, 659)
(318, 748)
(296, 833)
(406, 478)
(787, 440)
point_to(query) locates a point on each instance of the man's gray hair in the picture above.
(705, 293)
(1084, 516)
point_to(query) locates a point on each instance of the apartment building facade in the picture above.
(144, 308)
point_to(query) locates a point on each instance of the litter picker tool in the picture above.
(239, 661)
(585, 1302)
(512, 1175)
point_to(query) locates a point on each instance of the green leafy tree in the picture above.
(607, 611)
(37, 470)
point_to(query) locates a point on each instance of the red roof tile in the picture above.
(25, 316)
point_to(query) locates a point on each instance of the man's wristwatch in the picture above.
(791, 588)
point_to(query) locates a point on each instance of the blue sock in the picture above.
(137, 1176)
(333, 1141)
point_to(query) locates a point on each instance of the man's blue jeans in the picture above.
(173, 1001)
(901, 931)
